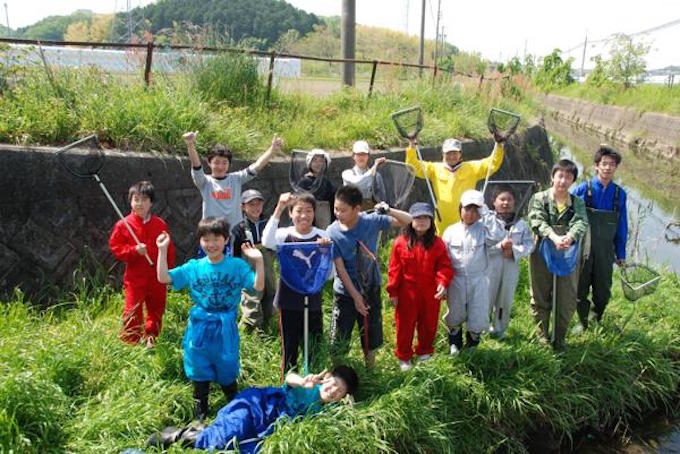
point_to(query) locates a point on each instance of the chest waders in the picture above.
(597, 269)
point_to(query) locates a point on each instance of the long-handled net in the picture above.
(392, 182)
(368, 279)
(84, 158)
(304, 268)
(300, 175)
(409, 122)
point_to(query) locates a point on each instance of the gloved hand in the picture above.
(498, 138)
(382, 208)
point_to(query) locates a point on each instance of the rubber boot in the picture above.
(472, 339)
(201, 392)
(229, 390)
(455, 340)
(369, 359)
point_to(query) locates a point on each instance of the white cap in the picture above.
(452, 145)
(361, 146)
(317, 152)
(472, 197)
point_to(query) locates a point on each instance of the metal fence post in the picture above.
(147, 67)
(270, 76)
(434, 75)
(370, 87)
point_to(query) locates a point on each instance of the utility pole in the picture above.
(422, 38)
(436, 40)
(347, 40)
(583, 57)
(9, 30)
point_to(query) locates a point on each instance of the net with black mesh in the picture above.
(502, 123)
(368, 280)
(638, 280)
(300, 176)
(82, 158)
(509, 199)
(408, 122)
(392, 182)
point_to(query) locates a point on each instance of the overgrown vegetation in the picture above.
(68, 384)
(223, 98)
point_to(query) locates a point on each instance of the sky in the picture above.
(498, 29)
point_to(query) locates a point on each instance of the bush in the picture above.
(229, 78)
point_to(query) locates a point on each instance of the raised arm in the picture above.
(399, 218)
(163, 242)
(263, 160)
(422, 167)
(190, 139)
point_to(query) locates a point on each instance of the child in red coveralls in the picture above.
(418, 276)
(139, 281)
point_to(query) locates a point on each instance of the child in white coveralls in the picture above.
(504, 257)
(468, 242)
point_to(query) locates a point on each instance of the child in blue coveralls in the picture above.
(252, 414)
(211, 340)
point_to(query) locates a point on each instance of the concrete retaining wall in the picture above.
(645, 133)
(50, 221)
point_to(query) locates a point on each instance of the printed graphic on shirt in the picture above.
(217, 288)
(221, 194)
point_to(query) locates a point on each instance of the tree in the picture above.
(627, 63)
(554, 72)
(598, 76)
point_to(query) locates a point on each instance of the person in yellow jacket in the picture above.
(451, 177)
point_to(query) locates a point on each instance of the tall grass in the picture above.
(67, 384)
(223, 99)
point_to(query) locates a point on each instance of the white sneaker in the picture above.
(491, 330)
(423, 358)
(404, 365)
(453, 350)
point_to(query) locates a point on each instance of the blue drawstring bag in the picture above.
(560, 263)
(305, 266)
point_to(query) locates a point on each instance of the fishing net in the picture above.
(502, 123)
(638, 280)
(368, 281)
(408, 122)
(305, 266)
(300, 176)
(392, 182)
(521, 190)
(82, 158)
(559, 262)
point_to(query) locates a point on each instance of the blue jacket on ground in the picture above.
(251, 415)
(603, 199)
(211, 341)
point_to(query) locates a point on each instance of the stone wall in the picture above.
(646, 133)
(51, 222)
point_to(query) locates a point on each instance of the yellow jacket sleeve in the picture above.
(422, 167)
(481, 166)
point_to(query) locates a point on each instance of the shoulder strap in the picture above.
(589, 194)
(617, 191)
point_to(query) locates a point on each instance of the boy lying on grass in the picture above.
(252, 414)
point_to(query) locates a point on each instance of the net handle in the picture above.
(60, 154)
(492, 126)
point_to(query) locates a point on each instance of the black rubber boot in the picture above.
(230, 390)
(456, 338)
(472, 339)
(201, 392)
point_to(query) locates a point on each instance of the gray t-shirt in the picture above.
(222, 198)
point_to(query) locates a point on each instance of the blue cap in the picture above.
(421, 209)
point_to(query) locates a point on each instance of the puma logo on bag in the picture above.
(307, 259)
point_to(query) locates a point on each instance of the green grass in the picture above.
(67, 384)
(643, 98)
(127, 115)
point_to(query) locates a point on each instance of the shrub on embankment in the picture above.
(67, 384)
(223, 98)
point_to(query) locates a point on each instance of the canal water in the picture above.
(648, 221)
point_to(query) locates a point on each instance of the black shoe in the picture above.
(166, 438)
(472, 340)
(230, 390)
(456, 339)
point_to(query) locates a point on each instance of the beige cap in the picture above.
(472, 197)
(361, 146)
(452, 145)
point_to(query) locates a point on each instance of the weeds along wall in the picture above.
(53, 224)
